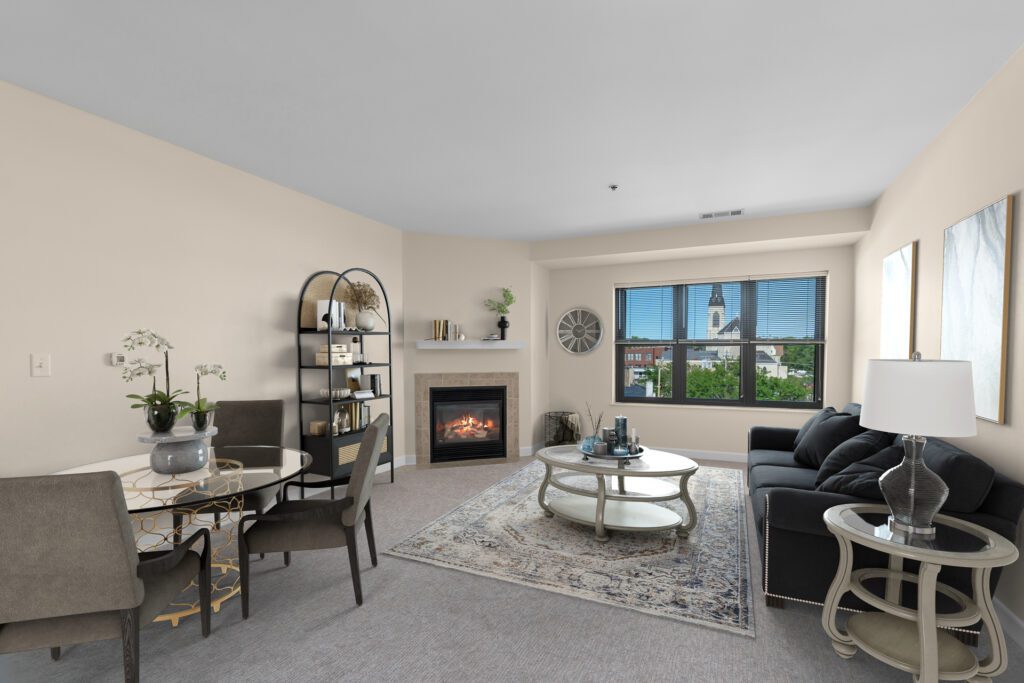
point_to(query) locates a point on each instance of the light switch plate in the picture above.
(41, 364)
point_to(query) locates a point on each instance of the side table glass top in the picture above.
(232, 470)
(956, 542)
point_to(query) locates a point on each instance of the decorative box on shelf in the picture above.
(336, 359)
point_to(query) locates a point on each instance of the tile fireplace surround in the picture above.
(509, 380)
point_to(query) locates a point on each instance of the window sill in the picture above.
(752, 409)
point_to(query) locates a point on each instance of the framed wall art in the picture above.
(976, 301)
(899, 296)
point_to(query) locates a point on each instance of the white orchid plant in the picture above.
(140, 367)
(203, 405)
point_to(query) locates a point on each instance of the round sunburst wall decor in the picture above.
(579, 330)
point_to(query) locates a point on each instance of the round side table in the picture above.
(914, 640)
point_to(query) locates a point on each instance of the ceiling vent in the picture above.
(721, 214)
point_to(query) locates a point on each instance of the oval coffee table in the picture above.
(630, 506)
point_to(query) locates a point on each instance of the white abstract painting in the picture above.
(897, 322)
(975, 288)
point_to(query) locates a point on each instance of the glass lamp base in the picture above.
(914, 493)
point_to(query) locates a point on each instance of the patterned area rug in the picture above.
(503, 533)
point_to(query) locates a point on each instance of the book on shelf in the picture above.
(446, 330)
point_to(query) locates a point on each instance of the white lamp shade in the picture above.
(922, 397)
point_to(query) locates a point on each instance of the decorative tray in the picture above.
(609, 456)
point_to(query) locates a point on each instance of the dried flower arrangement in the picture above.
(364, 297)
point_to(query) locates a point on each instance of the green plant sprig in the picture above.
(501, 307)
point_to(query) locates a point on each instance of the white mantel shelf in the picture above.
(471, 345)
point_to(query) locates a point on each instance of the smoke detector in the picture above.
(721, 214)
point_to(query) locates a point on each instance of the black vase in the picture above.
(161, 418)
(201, 421)
(503, 326)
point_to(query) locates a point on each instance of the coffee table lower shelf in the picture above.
(619, 515)
(895, 641)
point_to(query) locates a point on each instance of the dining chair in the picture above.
(316, 523)
(71, 573)
(245, 423)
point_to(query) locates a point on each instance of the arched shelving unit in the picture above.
(334, 456)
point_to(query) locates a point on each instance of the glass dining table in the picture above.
(164, 506)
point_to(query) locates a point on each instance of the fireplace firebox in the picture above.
(467, 422)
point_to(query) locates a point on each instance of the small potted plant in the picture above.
(162, 407)
(364, 298)
(201, 412)
(501, 308)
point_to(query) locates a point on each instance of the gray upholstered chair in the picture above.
(70, 572)
(315, 524)
(246, 423)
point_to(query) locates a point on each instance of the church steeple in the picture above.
(717, 299)
(716, 311)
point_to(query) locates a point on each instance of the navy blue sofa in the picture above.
(799, 555)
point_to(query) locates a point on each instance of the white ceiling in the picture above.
(510, 118)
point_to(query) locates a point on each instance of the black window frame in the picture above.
(748, 343)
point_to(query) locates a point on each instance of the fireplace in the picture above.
(467, 422)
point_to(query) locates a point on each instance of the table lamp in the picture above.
(917, 398)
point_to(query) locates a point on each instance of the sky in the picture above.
(785, 309)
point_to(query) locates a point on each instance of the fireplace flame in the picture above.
(466, 427)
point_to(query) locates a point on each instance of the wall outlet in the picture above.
(41, 364)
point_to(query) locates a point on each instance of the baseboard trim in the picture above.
(724, 456)
(1013, 626)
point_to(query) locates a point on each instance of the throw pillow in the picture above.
(825, 436)
(813, 420)
(968, 477)
(861, 478)
(851, 451)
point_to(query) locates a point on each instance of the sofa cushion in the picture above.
(851, 408)
(776, 475)
(824, 436)
(811, 421)
(968, 477)
(852, 450)
(764, 456)
(861, 478)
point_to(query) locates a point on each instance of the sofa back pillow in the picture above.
(811, 421)
(823, 437)
(851, 408)
(968, 477)
(861, 478)
(853, 450)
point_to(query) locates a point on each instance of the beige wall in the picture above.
(104, 230)
(576, 379)
(449, 278)
(978, 159)
(716, 238)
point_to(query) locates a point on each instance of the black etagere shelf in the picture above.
(333, 454)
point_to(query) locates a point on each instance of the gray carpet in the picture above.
(426, 623)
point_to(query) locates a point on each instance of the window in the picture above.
(752, 342)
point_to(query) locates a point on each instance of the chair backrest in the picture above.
(361, 481)
(66, 547)
(249, 423)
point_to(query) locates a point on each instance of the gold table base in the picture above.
(156, 531)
